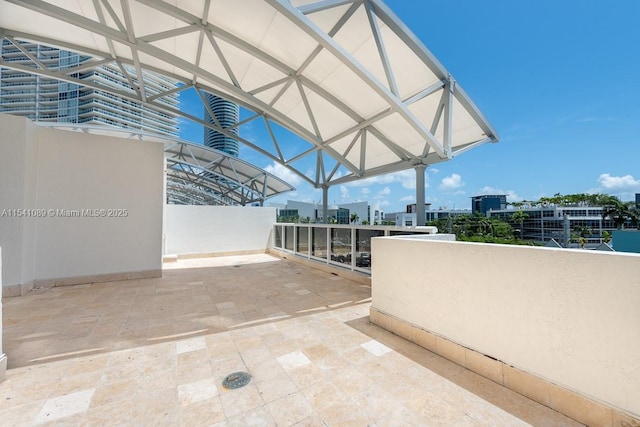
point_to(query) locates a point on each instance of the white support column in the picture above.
(449, 94)
(420, 212)
(325, 203)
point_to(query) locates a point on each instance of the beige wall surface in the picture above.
(217, 229)
(111, 188)
(119, 180)
(17, 153)
(571, 317)
(3, 357)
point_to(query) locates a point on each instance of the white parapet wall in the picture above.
(217, 230)
(77, 208)
(3, 357)
(568, 320)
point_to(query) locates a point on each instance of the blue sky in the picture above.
(558, 80)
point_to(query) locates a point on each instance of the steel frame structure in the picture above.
(347, 76)
(207, 176)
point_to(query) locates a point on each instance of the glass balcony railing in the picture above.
(346, 246)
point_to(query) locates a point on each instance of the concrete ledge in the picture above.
(567, 402)
(213, 254)
(328, 268)
(170, 258)
(16, 290)
(3, 367)
(98, 278)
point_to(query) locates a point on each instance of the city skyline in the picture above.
(560, 89)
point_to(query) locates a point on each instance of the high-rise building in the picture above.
(227, 114)
(43, 99)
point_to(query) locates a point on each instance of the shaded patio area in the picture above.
(155, 352)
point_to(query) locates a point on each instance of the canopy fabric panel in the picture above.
(330, 71)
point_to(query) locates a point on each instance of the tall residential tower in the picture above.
(227, 113)
(47, 100)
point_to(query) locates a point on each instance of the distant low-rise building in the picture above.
(312, 212)
(560, 223)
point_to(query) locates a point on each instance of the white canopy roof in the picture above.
(347, 76)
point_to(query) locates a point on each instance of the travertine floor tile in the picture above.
(155, 352)
(64, 406)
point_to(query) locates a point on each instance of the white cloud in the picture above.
(365, 191)
(512, 196)
(625, 183)
(382, 193)
(452, 182)
(623, 187)
(407, 178)
(410, 199)
(283, 173)
(344, 192)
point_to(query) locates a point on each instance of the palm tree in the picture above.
(581, 234)
(354, 217)
(620, 212)
(520, 216)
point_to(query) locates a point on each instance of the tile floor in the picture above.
(155, 352)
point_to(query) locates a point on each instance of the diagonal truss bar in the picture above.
(347, 59)
(103, 21)
(128, 20)
(168, 92)
(112, 13)
(222, 58)
(398, 27)
(28, 54)
(150, 38)
(382, 51)
(307, 107)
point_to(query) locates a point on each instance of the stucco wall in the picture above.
(571, 317)
(217, 229)
(123, 177)
(18, 154)
(3, 357)
(51, 171)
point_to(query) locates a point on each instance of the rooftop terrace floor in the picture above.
(155, 352)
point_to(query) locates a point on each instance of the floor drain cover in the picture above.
(236, 380)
